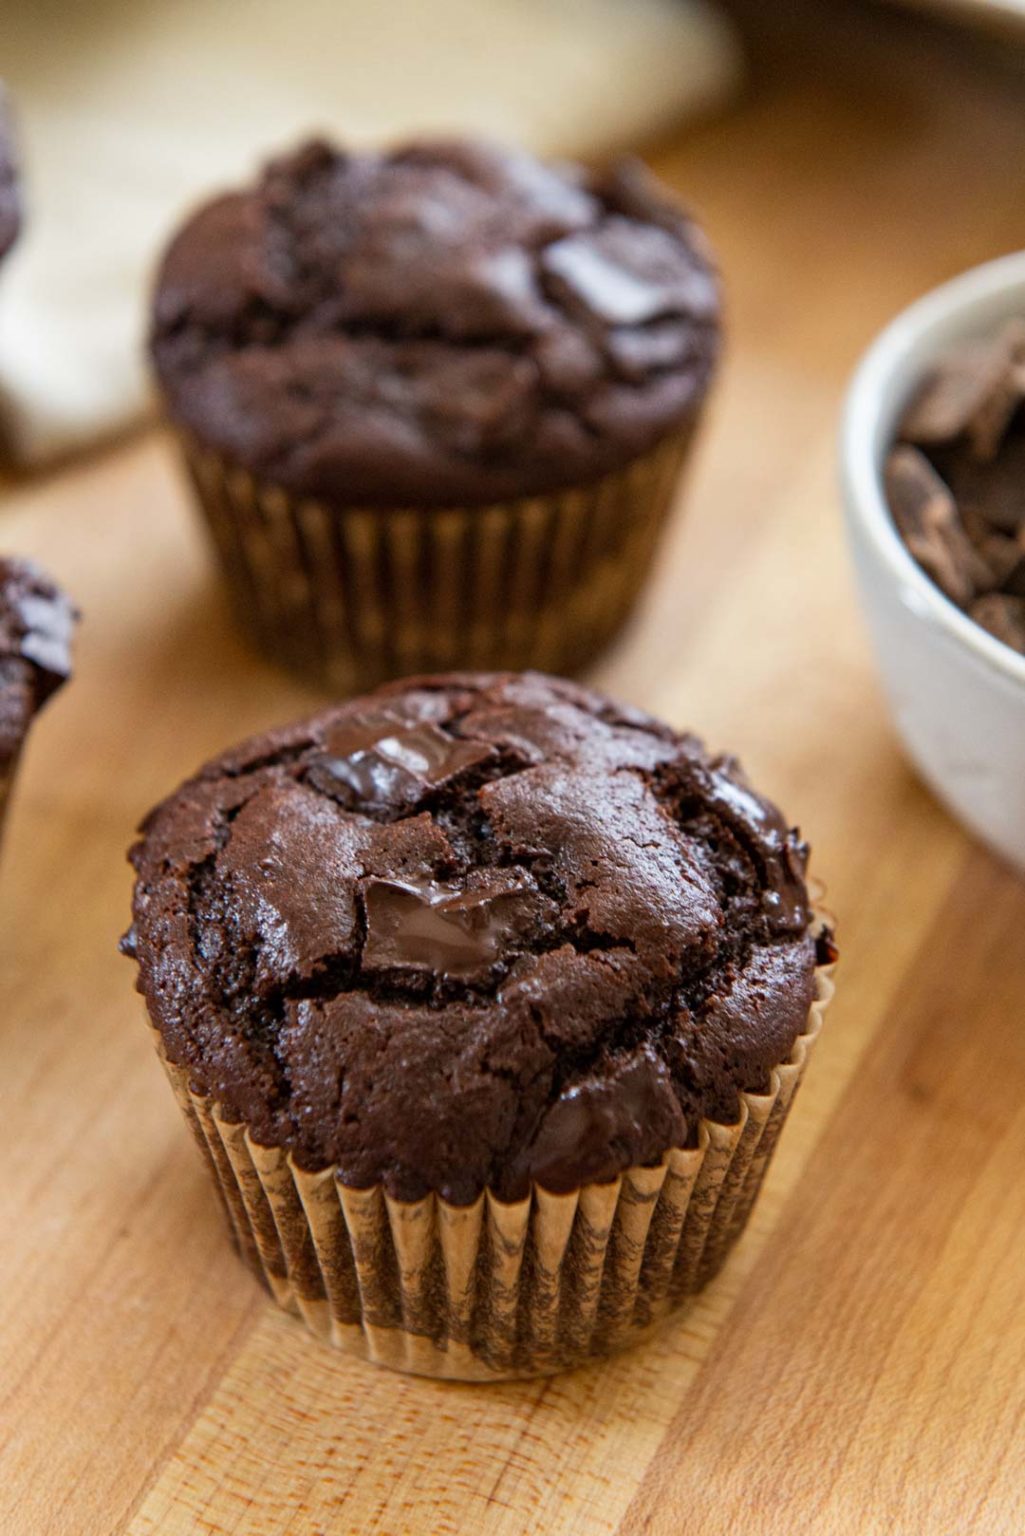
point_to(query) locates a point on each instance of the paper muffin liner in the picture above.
(354, 595)
(493, 1289)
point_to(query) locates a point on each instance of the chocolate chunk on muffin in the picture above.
(442, 328)
(37, 621)
(474, 932)
(10, 195)
(956, 480)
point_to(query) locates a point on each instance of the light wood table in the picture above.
(860, 1365)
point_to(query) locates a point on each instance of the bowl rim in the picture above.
(865, 426)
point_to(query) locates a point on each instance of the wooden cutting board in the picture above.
(859, 1367)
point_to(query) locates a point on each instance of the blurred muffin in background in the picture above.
(37, 621)
(10, 193)
(435, 401)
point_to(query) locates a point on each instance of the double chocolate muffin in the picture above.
(10, 193)
(36, 625)
(435, 400)
(479, 933)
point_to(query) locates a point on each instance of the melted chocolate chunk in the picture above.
(383, 759)
(447, 929)
(625, 276)
(632, 1101)
(785, 898)
(566, 936)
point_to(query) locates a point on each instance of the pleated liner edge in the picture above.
(495, 1290)
(353, 595)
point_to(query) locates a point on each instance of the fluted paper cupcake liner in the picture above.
(493, 1290)
(353, 595)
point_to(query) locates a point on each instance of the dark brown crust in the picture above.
(473, 931)
(443, 324)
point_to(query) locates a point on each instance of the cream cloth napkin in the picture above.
(130, 110)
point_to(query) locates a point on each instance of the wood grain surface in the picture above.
(859, 1365)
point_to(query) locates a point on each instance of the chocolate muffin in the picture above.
(468, 934)
(435, 400)
(36, 625)
(10, 195)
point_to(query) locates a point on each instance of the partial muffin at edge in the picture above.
(37, 621)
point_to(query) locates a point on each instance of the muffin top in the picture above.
(10, 197)
(473, 930)
(36, 625)
(446, 323)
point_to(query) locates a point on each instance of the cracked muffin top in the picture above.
(444, 323)
(473, 930)
(10, 194)
(37, 621)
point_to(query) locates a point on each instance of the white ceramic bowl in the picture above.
(957, 694)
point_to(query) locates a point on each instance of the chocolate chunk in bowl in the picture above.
(956, 479)
(927, 516)
(1004, 616)
(942, 384)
